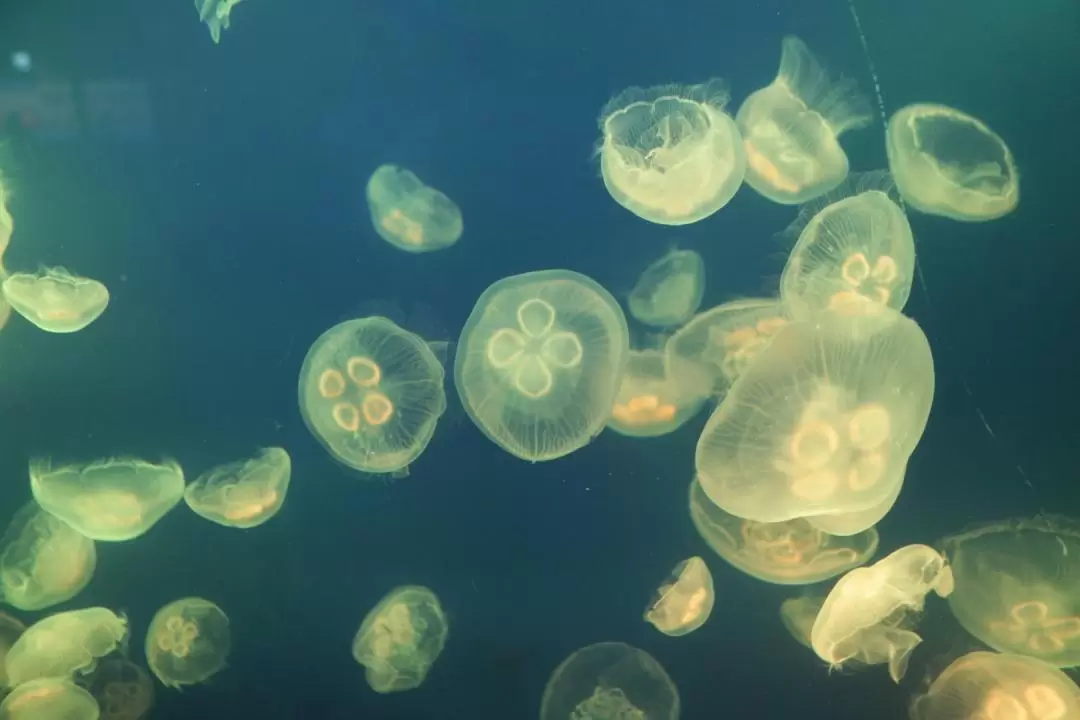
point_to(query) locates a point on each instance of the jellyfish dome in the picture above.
(798, 615)
(48, 698)
(540, 361)
(400, 638)
(7, 224)
(55, 300)
(650, 402)
(242, 494)
(43, 560)
(410, 215)
(188, 641)
(669, 292)
(670, 154)
(65, 643)
(684, 601)
(124, 690)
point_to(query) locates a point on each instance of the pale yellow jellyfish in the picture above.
(245, 493)
(187, 642)
(610, 680)
(410, 215)
(650, 402)
(1016, 586)
(988, 686)
(798, 615)
(52, 698)
(55, 300)
(400, 639)
(65, 643)
(11, 629)
(215, 13)
(540, 361)
(792, 552)
(823, 422)
(5, 307)
(114, 499)
(684, 601)
(124, 690)
(791, 128)
(670, 154)
(43, 560)
(372, 393)
(949, 163)
(669, 291)
(867, 615)
(7, 224)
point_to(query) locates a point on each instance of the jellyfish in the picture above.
(123, 690)
(798, 615)
(868, 614)
(400, 639)
(823, 422)
(650, 402)
(540, 361)
(55, 300)
(48, 698)
(11, 629)
(242, 494)
(669, 292)
(670, 154)
(410, 215)
(792, 552)
(949, 163)
(371, 393)
(215, 13)
(43, 560)
(7, 224)
(610, 680)
(187, 642)
(5, 306)
(684, 601)
(65, 643)
(112, 500)
(791, 127)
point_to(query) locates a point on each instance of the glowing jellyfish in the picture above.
(988, 686)
(540, 361)
(670, 154)
(790, 128)
(371, 393)
(5, 308)
(11, 629)
(123, 690)
(7, 224)
(215, 13)
(245, 493)
(669, 292)
(610, 680)
(867, 615)
(684, 601)
(55, 300)
(410, 215)
(823, 422)
(65, 643)
(792, 552)
(1016, 587)
(949, 163)
(43, 561)
(187, 642)
(400, 638)
(798, 615)
(649, 401)
(53, 698)
(114, 499)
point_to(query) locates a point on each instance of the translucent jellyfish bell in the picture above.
(540, 361)
(410, 215)
(187, 642)
(791, 128)
(43, 561)
(124, 690)
(669, 292)
(798, 615)
(245, 493)
(65, 643)
(55, 300)
(949, 163)
(47, 698)
(7, 224)
(684, 601)
(400, 638)
(650, 402)
(670, 154)
(215, 13)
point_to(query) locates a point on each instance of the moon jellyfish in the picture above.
(410, 215)
(1016, 587)
(11, 629)
(791, 128)
(823, 422)
(792, 552)
(43, 561)
(949, 163)
(215, 13)
(5, 307)
(187, 642)
(245, 493)
(55, 300)
(867, 615)
(400, 638)
(540, 361)
(65, 643)
(372, 393)
(798, 615)
(113, 500)
(7, 224)
(670, 154)
(48, 699)
(669, 292)
(650, 402)
(684, 601)
(123, 690)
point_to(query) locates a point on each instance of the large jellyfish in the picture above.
(55, 300)
(245, 493)
(410, 215)
(670, 154)
(124, 690)
(215, 13)
(669, 291)
(372, 393)
(50, 698)
(791, 128)
(949, 163)
(43, 560)
(187, 642)
(684, 601)
(400, 638)
(65, 643)
(651, 402)
(540, 361)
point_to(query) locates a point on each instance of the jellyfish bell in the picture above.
(216, 14)
(49, 697)
(123, 690)
(669, 291)
(650, 402)
(684, 601)
(410, 215)
(55, 300)
(242, 494)
(400, 639)
(65, 643)
(43, 560)
(798, 615)
(188, 642)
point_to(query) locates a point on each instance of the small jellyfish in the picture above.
(11, 629)
(410, 215)
(670, 154)
(187, 642)
(540, 361)
(65, 643)
(215, 13)
(124, 690)
(400, 639)
(372, 393)
(55, 300)
(791, 128)
(242, 494)
(7, 224)
(669, 292)
(684, 601)
(798, 615)
(112, 500)
(650, 402)
(43, 560)
(51, 698)
(610, 680)
(949, 163)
